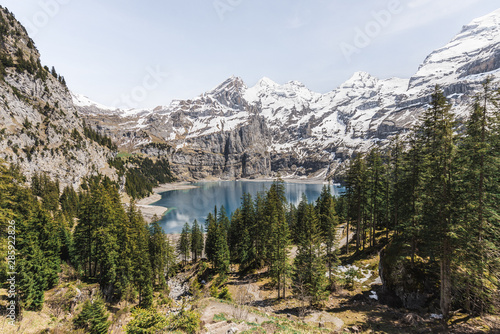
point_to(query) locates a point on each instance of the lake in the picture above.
(190, 204)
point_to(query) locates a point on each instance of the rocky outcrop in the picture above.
(40, 130)
(241, 152)
(413, 284)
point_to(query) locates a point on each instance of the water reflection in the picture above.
(188, 205)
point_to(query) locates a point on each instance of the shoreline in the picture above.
(155, 197)
(148, 210)
(145, 204)
(288, 180)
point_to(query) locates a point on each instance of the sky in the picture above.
(142, 54)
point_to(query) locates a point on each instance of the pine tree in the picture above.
(356, 196)
(32, 283)
(309, 277)
(141, 268)
(395, 185)
(69, 202)
(211, 228)
(65, 237)
(300, 219)
(38, 257)
(248, 225)
(261, 231)
(197, 241)
(93, 318)
(170, 258)
(223, 219)
(438, 152)
(46, 234)
(376, 191)
(280, 236)
(478, 163)
(8, 190)
(184, 246)
(242, 227)
(234, 235)
(221, 258)
(328, 222)
(102, 234)
(157, 252)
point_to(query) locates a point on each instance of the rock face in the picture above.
(236, 131)
(413, 285)
(40, 130)
(237, 153)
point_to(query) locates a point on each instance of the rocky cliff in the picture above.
(40, 130)
(239, 131)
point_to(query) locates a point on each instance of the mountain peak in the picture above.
(233, 83)
(492, 19)
(266, 82)
(359, 79)
(484, 28)
(295, 83)
(473, 51)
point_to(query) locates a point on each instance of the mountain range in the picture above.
(233, 130)
(237, 131)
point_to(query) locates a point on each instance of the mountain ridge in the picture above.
(307, 133)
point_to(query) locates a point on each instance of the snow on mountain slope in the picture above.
(475, 50)
(80, 100)
(89, 106)
(294, 127)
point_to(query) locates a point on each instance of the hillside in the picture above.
(40, 129)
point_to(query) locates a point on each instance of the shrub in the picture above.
(147, 297)
(225, 294)
(188, 321)
(195, 289)
(165, 301)
(350, 278)
(146, 321)
(214, 291)
(93, 317)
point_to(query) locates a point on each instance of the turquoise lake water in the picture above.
(190, 204)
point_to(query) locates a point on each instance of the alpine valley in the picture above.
(235, 131)
(411, 246)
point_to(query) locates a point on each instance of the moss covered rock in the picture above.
(415, 284)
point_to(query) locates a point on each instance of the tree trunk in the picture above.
(358, 229)
(347, 239)
(445, 301)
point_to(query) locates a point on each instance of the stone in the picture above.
(412, 319)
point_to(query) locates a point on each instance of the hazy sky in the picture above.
(146, 53)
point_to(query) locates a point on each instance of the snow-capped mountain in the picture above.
(474, 51)
(237, 131)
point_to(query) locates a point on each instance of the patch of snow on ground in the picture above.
(342, 270)
(377, 280)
